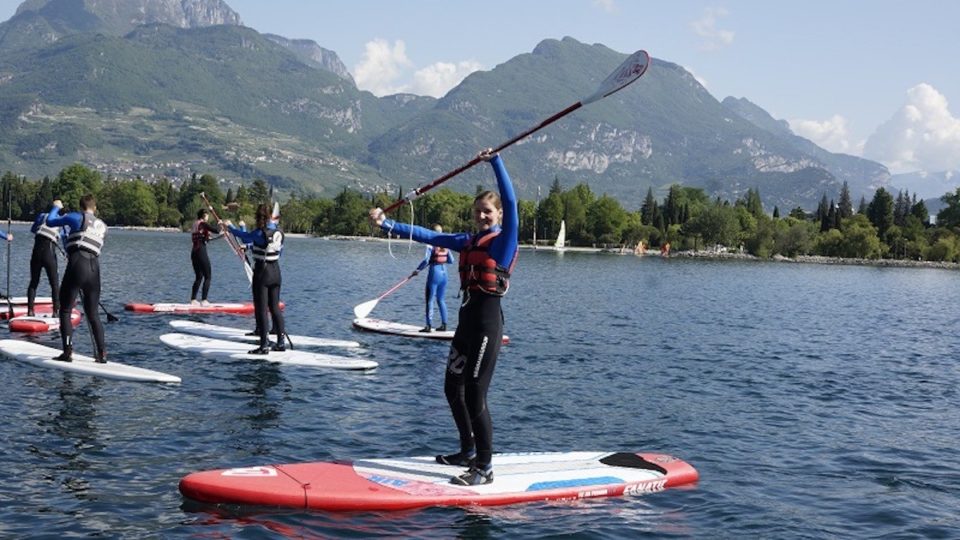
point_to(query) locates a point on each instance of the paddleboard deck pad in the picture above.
(239, 334)
(224, 307)
(42, 356)
(405, 483)
(20, 311)
(41, 323)
(231, 349)
(406, 330)
(22, 300)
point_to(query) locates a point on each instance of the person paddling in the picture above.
(85, 237)
(201, 233)
(436, 258)
(266, 241)
(486, 262)
(43, 257)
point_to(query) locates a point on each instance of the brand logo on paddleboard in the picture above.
(650, 486)
(251, 472)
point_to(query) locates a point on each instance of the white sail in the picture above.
(562, 237)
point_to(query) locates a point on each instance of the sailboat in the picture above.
(561, 242)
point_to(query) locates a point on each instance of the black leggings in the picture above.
(82, 276)
(201, 271)
(266, 300)
(473, 356)
(44, 257)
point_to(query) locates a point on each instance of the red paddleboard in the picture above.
(236, 308)
(41, 323)
(19, 311)
(404, 483)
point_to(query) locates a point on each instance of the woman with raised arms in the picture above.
(486, 261)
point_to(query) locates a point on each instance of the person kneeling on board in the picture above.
(85, 236)
(437, 258)
(43, 257)
(486, 261)
(266, 241)
(201, 233)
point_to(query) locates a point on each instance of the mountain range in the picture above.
(170, 87)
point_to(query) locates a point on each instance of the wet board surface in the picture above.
(22, 300)
(404, 483)
(222, 307)
(405, 330)
(42, 356)
(46, 322)
(229, 333)
(231, 349)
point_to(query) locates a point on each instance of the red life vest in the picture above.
(479, 271)
(200, 235)
(438, 256)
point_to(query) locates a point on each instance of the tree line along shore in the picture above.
(885, 228)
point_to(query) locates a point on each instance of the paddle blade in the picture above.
(364, 309)
(630, 70)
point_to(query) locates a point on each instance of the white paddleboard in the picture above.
(406, 330)
(231, 349)
(239, 334)
(42, 356)
(22, 300)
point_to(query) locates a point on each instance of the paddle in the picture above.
(230, 240)
(9, 219)
(364, 309)
(630, 70)
(110, 316)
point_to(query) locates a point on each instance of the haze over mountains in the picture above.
(171, 87)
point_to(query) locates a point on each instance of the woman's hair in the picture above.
(202, 213)
(263, 216)
(87, 202)
(489, 196)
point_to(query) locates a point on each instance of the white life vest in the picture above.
(270, 252)
(46, 231)
(89, 237)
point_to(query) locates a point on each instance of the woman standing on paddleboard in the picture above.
(201, 233)
(486, 261)
(266, 241)
(43, 257)
(437, 259)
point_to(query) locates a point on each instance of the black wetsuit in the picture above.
(44, 257)
(201, 234)
(266, 246)
(82, 275)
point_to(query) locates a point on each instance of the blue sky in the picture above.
(870, 78)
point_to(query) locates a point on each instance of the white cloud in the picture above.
(382, 66)
(701, 80)
(830, 134)
(922, 135)
(386, 70)
(437, 79)
(607, 5)
(706, 27)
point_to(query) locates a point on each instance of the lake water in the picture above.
(815, 401)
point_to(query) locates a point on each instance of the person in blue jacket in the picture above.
(44, 257)
(266, 241)
(85, 238)
(486, 262)
(436, 258)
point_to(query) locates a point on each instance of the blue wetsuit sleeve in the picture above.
(450, 259)
(41, 218)
(454, 241)
(426, 259)
(504, 247)
(73, 220)
(245, 236)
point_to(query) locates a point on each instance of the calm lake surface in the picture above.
(815, 401)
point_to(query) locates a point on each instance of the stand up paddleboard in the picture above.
(42, 356)
(404, 483)
(239, 334)
(20, 311)
(235, 308)
(231, 349)
(406, 330)
(22, 300)
(46, 322)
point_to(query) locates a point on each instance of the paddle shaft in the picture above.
(229, 237)
(423, 189)
(9, 220)
(395, 287)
